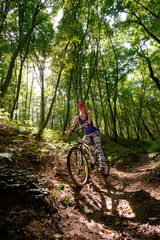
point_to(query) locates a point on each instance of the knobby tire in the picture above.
(106, 166)
(78, 168)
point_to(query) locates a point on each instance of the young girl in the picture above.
(85, 120)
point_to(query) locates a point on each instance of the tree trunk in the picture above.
(26, 100)
(95, 110)
(19, 81)
(103, 113)
(145, 28)
(55, 94)
(147, 129)
(42, 103)
(108, 93)
(30, 97)
(41, 68)
(17, 51)
(148, 10)
(155, 79)
(115, 135)
(68, 99)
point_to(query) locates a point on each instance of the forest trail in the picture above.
(126, 205)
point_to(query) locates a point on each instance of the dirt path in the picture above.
(124, 206)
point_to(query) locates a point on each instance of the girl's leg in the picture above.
(86, 139)
(97, 142)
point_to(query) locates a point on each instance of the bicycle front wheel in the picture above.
(77, 167)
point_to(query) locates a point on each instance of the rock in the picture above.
(21, 183)
(6, 156)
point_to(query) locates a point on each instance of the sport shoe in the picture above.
(101, 169)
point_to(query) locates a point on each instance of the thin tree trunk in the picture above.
(148, 10)
(80, 81)
(52, 103)
(26, 101)
(145, 28)
(95, 110)
(154, 120)
(19, 82)
(155, 79)
(100, 94)
(30, 97)
(108, 93)
(55, 94)
(89, 82)
(41, 68)
(17, 51)
(68, 99)
(42, 107)
(147, 129)
(115, 91)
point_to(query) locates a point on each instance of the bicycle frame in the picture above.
(87, 147)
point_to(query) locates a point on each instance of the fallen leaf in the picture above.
(108, 231)
(58, 235)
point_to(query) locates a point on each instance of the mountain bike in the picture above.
(80, 157)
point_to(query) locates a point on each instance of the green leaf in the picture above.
(55, 195)
(66, 200)
(61, 187)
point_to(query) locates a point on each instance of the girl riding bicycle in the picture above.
(85, 120)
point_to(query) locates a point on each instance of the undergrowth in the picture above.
(121, 152)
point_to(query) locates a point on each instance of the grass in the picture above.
(124, 151)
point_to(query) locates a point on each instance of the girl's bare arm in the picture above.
(73, 125)
(89, 117)
(89, 120)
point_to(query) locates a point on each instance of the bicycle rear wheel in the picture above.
(106, 166)
(77, 167)
(105, 171)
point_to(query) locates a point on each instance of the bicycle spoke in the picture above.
(77, 167)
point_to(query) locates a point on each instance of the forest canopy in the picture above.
(104, 53)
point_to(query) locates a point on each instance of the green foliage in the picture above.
(66, 200)
(4, 116)
(58, 142)
(124, 151)
(105, 48)
(155, 147)
(61, 187)
(55, 195)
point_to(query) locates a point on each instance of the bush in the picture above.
(155, 147)
(4, 116)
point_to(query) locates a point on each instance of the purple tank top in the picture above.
(90, 128)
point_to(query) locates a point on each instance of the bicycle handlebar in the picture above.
(76, 131)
